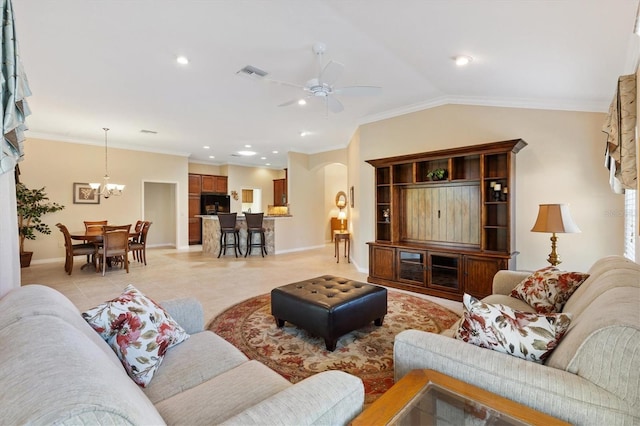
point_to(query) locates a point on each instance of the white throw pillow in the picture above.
(139, 331)
(526, 335)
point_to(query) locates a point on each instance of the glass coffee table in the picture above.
(427, 397)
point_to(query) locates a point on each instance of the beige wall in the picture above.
(563, 163)
(252, 178)
(57, 165)
(205, 169)
(160, 204)
(335, 180)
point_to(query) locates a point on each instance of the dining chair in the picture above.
(115, 246)
(139, 246)
(137, 229)
(254, 226)
(72, 250)
(93, 225)
(228, 227)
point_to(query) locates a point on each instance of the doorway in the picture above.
(160, 206)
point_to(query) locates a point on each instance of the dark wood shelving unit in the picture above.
(450, 236)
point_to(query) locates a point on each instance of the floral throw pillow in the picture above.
(139, 331)
(526, 335)
(548, 289)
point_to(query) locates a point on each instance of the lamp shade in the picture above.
(555, 218)
(342, 215)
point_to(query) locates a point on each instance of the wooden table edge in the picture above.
(386, 408)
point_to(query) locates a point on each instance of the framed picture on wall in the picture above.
(351, 203)
(83, 194)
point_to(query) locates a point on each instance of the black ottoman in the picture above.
(329, 306)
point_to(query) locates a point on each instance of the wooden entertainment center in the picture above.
(450, 236)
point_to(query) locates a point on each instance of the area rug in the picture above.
(295, 354)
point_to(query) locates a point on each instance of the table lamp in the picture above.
(554, 218)
(342, 216)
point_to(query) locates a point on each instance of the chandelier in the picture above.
(108, 189)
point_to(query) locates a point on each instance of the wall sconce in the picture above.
(554, 218)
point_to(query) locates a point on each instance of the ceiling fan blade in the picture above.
(358, 90)
(334, 105)
(283, 83)
(331, 72)
(292, 101)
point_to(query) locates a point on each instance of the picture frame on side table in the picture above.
(83, 194)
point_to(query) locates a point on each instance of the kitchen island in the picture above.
(211, 234)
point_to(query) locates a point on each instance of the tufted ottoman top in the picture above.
(328, 290)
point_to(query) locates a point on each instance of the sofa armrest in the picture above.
(505, 280)
(187, 312)
(556, 392)
(328, 398)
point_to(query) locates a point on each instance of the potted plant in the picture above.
(32, 204)
(437, 174)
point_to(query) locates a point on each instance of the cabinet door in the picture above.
(444, 272)
(208, 183)
(195, 234)
(411, 267)
(194, 184)
(479, 273)
(381, 262)
(221, 184)
(279, 192)
(194, 206)
(443, 214)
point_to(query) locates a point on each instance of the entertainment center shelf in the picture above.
(444, 219)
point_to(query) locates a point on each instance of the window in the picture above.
(630, 221)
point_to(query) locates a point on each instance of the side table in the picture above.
(346, 237)
(428, 397)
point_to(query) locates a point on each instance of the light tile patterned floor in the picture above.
(216, 283)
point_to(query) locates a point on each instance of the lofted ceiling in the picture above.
(112, 63)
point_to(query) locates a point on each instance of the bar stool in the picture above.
(228, 226)
(254, 226)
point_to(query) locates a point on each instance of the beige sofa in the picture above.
(57, 370)
(593, 375)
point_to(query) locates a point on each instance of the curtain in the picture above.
(620, 127)
(14, 110)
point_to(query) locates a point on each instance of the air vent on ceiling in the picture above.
(152, 132)
(252, 71)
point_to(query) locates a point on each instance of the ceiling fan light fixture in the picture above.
(182, 60)
(302, 102)
(462, 60)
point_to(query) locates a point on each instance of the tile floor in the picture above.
(216, 283)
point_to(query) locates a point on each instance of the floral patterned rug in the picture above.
(294, 354)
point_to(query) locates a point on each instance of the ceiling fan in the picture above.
(322, 86)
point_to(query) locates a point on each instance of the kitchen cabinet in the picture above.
(214, 184)
(280, 192)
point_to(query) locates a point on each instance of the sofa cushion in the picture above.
(52, 373)
(36, 300)
(224, 396)
(208, 355)
(526, 335)
(548, 289)
(138, 330)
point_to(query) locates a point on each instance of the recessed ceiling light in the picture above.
(246, 153)
(274, 152)
(212, 156)
(462, 60)
(304, 133)
(206, 147)
(182, 60)
(263, 158)
(247, 146)
(267, 164)
(302, 102)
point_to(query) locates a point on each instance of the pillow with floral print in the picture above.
(139, 331)
(527, 335)
(548, 289)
